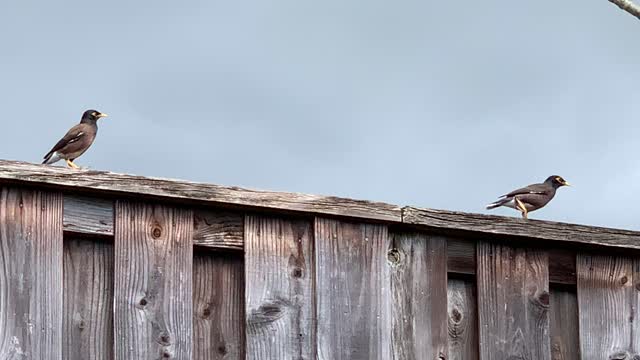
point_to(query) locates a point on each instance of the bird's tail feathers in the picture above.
(498, 203)
(51, 158)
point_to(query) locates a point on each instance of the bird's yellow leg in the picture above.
(72, 165)
(522, 208)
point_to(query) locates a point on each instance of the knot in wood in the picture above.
(222, 350)
(394, 256)
(206, 312)
(456, 316)
(543, 298)
(164, 339)
(623, 280)
(297, 273)
(620, 355)
(270, 311)
(143, 302)
(441, 357)
(156, 232)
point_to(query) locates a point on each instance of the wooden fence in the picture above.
(97, 265)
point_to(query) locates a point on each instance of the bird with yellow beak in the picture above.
(77, 140)
(532, 197)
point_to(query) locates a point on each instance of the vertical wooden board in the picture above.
(353, 289)
(607, 302)
(513, 302)
(279, 288)
(463, 320)
(88, 300)
(563, 314)
(30, 274)
(419, 293)
(218, 307)
(153, 299)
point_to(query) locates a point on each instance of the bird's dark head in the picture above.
(92, 116)
(557, 181)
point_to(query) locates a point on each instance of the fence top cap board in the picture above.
(107, 183)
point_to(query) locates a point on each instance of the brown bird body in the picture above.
(76, 141)
(532, 197)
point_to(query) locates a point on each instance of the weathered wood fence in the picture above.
(97, 265)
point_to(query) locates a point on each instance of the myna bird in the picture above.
(77, 140)
(532, 197)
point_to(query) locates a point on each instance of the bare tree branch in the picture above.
(628, 6)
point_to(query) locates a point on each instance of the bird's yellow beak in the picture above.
(566, 183)
(101, 115)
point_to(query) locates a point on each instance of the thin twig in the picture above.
(628, 6)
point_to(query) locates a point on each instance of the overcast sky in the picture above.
(440, 104)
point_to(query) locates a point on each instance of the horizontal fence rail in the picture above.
(96, 265)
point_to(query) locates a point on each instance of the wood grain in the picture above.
(608, 303)
(563, 314)
(153, 299)
(218, 303)
(219, 229)
(213, 228)
(562, 265)
(513, 303)
(222, 229)
(419, 295)
(353, 290)
(461, 259)
(88, 300)
(191, 192)
(463, 320)
(94, 216)
(461, 256)
(30, 274)
(279, 288)
(88, 215)
(520, 228)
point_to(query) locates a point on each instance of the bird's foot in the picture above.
(72, 165)
(522, 208)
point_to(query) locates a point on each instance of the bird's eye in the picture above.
(559, 179)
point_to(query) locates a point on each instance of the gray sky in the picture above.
(437, 104)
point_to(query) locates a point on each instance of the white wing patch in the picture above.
(76, 138)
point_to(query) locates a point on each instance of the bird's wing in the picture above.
(74, 134)
(531, 189)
